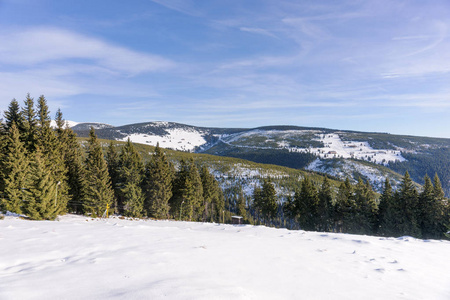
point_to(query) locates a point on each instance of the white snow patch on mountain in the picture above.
(70, 124)
(84, 258)
(334, 147)
(176, 139)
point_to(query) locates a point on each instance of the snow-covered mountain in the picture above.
(372, 156)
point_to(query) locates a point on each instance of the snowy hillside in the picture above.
(83, 258)
(183, 139)
(348, 152)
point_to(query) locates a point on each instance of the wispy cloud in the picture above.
(48, 45)
(258, 31)
(182, 6)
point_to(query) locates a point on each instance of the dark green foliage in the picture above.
(306, 201)
(265, 201)
(364, 220)
(387, 213)
(158, 185)
(112, 160)
(212, 196)
(406, 202)
(29, 124)
(269, 156)
(98, 195)
(187, 199)
(44, 201)
(325, 206)
(14, 173)
(13, 116)
(130, 177)
(76, 172)
(344, 207)
(242, 207)
(52, 148)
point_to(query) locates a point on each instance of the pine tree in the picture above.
(15, 173)
(325, 206)
(76, 173)
(13, 116)
(130, 173)
(112, 160)
(44, 202)
(29, 124)
(344, 207)
(158, 185)
(52, 148)
(212, 194)
(406, 203)
(364, 220)
(437, 190)
(387, 213)
(187, 196)
(98, 195)
(306, 201)
(265, 201)
(241, 206)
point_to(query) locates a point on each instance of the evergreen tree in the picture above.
(52, 148)
(212, 194)
(187, 197)
(437, 190)
(387, 213)
(406, 203)
(98, 195)
(14, 173)
(130, 173)
(290, 210)
(13, 116)
(158, 185)
(364, 220)
(76, 173)
(44, 202)
(29, 124)
(241, 206)
(59, 120)
(265, 201)
(325, 206)
(344, 207)
(307, 201)
(112, 160)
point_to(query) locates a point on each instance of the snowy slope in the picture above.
(81, 258)
(175, 139)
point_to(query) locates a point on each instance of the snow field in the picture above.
(177, 139)
(79, 257)
(334, 147)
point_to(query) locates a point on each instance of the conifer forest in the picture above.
(46, 171)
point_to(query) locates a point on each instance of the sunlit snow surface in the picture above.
(176, 139)
(82, 258)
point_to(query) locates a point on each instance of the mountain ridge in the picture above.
(341, 153)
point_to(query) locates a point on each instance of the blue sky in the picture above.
(371, 65)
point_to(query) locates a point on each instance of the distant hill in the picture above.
(372, 156)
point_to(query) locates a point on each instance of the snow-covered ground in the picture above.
(348, 168)
(70, 124)
(83, 258)
(176, 139)
(334, 147)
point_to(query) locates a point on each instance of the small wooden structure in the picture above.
(236, 220)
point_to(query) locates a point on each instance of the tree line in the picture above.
(46, 172)
(358, 209)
